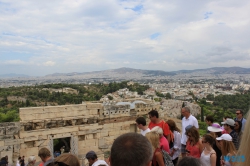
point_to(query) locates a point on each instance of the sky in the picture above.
(62, 36)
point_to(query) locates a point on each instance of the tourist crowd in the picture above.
(162, 143)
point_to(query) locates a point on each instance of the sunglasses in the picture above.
(237, 113)
(204, 142)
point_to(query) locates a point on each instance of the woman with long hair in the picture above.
(227, 149)
(66, 159)
(153, 138)
(216, 131)
(237, 129)
(208, 155)
(193, 146)
(175, 151)
(163, 141)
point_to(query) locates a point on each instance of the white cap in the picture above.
(225, 137)
(229, 122)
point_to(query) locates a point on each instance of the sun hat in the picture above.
(225, 137)
(215, 127)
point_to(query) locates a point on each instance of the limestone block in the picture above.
(89, 136)
(13, 142)
(102, 144)
(92, 142)
(2, 130)
(16, 148)
(32, 138)
(6, 148)
(29, 151)
(62, 135)
(104, 133)
(81, 144)
(1, 143)
(41, 143)
(11, 130)
(27, 145)
(93, 112)
(53, 131)
(41, 137)
(113, 133)
(108, 125)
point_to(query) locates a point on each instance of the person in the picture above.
(176, 149)
(227, 149)
(141, 124)
(244, 149)
(66, 159)
(18, 161)
(131, 149)
(194, 145)
(22, 163)
(163, 141)
(189, 161)
(187, 119)
(31, 161)
(209, 121)
(62, 149)
(216, 131)
(237, 129)
(153, 138)
(93, 160)
(3, 161)
(229, 127)
(156, 121)
(239, 117)
(45, 156)
(208, 155)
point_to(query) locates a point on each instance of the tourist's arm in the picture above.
(159, 159)
(213, 159)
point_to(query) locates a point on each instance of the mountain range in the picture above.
(125, 70)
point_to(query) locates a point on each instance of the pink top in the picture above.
(164, 144)
(194, 150)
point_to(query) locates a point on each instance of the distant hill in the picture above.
(218, 70)
(125, 70)
(13, 75)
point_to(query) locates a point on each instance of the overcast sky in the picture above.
(39, 37)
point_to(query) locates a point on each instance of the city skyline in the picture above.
(40, 38)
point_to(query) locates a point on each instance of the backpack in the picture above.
(167, 158)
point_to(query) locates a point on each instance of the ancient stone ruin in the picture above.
(88, 126)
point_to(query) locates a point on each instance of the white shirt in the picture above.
(98, 162)
(191, 120)
(145, 131)
(177, 145)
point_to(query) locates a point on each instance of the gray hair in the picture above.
(187, 109)
(158, 130)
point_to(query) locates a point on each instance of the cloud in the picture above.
(78, 36)
(49, 63)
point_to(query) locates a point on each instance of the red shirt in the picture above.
(162, 125)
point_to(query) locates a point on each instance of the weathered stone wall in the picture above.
(172, 108)
(89, 125)
(9, 140)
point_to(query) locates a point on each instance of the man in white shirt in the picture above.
(92, 159)
(141, 124)
(187, 120)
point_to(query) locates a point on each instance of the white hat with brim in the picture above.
(214, 129)
(225, 137)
